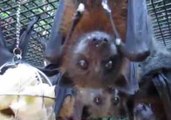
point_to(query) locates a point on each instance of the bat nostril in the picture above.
(105, 40)
(98, 41)
(94, 39)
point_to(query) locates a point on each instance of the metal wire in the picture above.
(160, 11)
(154, 10)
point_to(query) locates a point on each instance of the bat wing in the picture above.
(139, 28)
(5, 55)
(62, 22)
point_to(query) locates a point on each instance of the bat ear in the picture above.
(26, 34)
(5, 54)
(2, 40)
(62, 22)
(139, 29)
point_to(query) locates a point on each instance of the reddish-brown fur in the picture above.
(95, 18)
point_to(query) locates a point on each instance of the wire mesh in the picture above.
(160, 11)
(29, 9)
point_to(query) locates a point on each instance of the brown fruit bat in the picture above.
(84, 45)
(89, 46)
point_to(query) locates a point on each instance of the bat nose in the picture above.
(99, 40)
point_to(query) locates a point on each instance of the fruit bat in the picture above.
(87, 104)
(92, 41)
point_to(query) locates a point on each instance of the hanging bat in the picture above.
(90, 104)
(89, 44)
(83, 44)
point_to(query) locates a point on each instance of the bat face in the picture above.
(88, 104)
(94, 61)
(102, 103)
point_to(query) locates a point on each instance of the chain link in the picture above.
(18, 25)
(17, 51)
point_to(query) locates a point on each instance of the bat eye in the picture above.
(115, 100)
(83, 64)
(98, 100)
(109, 65)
